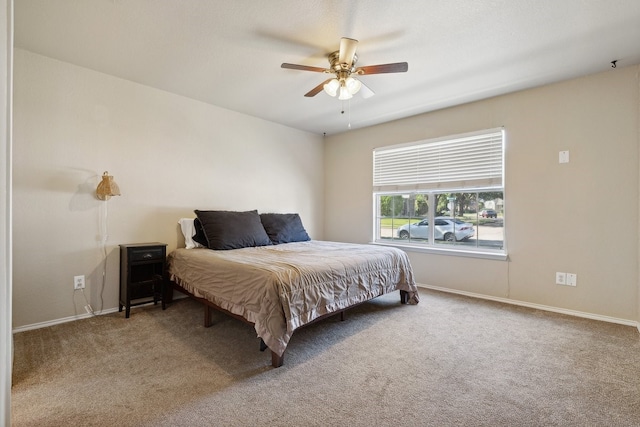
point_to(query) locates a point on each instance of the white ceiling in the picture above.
(228, 53)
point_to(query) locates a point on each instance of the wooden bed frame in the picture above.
(276, 361)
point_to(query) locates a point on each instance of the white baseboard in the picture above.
(77, 317)
(63, 320)
(537, 306)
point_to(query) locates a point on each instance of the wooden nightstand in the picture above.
(142, 267)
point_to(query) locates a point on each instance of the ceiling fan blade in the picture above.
(365, 91)
(347, 50)
(316, 90)
(396, 67)
(303, 68)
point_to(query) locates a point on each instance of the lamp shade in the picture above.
(344, 94)
(331, 87)
(353, 85)
(107, 187)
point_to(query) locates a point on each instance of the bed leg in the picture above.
(168, 293)
(342, 316)
(276, 361)
(207, 316)
(404, 297)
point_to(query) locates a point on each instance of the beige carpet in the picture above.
(449, 361)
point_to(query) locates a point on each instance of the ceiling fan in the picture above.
(343, 66)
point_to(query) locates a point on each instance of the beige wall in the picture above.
(6, 342)
(580, 217)
(168, 154)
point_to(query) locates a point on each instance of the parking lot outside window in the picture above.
(444, 193)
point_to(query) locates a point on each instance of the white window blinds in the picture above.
(458, 162)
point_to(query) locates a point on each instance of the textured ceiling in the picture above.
(228, 53)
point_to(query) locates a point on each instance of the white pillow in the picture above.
(188, 231)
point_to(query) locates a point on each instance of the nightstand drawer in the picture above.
(147, 254)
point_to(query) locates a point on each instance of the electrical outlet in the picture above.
(78, 282)
(572, 279)
(561, 278)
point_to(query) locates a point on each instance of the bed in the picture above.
(285, 283)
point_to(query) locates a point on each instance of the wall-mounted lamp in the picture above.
(107, 187)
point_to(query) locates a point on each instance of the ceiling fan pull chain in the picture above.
(348, 101)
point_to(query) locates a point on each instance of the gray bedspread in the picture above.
(282, 287)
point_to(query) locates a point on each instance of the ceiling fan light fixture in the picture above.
(332, 87)
(344, 93)
(352, 85)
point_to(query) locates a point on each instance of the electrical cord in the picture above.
(88, 306)
(105, 237)
(103, 244)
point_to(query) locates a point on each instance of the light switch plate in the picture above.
(563, 157)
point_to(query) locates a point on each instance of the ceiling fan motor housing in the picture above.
(342, 70)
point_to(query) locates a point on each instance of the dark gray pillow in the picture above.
(284, 228)
(232, 230)
(199, 236)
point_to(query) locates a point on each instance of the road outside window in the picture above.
(467, 220)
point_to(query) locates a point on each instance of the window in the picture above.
(454, 183)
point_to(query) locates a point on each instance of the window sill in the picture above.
(483, 254)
